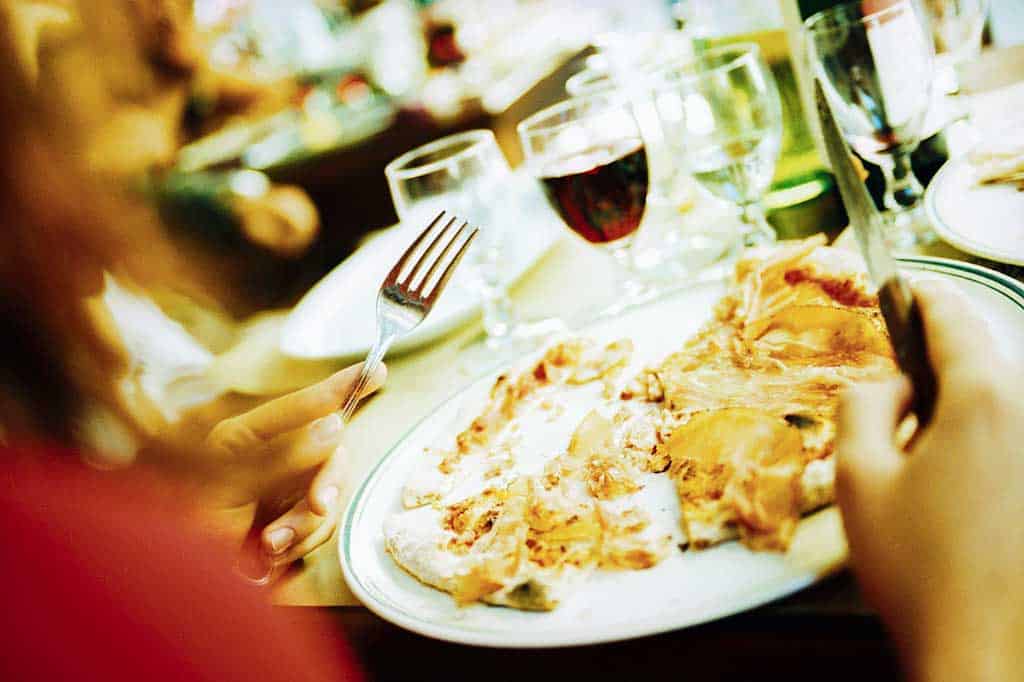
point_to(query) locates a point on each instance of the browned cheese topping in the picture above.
(733, 418)
(752, 397)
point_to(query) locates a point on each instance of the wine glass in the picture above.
(660, 165)
(876, 71)
(467, 175)
(956, 28)
(590, 158)
(722, 115)
(686, 247)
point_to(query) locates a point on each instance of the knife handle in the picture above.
(906, 331)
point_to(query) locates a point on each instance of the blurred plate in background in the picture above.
(982, 220)
(337, 318)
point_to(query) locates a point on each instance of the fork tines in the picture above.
(424, 272)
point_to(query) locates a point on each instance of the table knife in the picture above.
(899, 309)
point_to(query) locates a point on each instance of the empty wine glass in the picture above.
(876, 71)
(591, 161)
(956, 28)
(722, 115)
(467, 175)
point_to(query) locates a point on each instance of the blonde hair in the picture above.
(63, 228)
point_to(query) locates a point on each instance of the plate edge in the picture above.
(947, 233)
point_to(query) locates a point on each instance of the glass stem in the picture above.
(902, 188)
(756, 228)
(499, 316)
(623, 254)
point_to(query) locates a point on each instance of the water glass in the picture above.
(467, 175)
(722, 116)
(956, 28)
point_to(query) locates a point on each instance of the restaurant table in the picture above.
(825, 631)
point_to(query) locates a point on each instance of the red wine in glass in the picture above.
(600, 192)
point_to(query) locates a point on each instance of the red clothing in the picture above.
(101, 579)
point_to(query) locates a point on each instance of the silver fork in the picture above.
(404, 302)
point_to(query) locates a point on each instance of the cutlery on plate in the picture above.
(899, 309)
(411, 289)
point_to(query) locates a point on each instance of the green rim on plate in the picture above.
(956, 238)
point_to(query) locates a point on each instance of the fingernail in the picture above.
(326, 429)
(280, 539)
(328, 496)
(256, 568)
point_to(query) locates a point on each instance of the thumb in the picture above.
(867, 459)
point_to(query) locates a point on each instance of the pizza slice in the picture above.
(750, 402)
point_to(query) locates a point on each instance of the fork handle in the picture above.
(370, 365)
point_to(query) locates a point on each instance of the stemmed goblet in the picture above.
(876, 71)
(590, 158)
(722, 115)
(465, 174)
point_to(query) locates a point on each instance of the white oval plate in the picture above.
(338, 316)
(683, 590)
(983, 220)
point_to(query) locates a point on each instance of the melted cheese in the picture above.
(562, 473)
(762, 381)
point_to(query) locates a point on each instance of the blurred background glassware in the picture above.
(722, 116)
(590, 158)
(308, 37)
(465, 174)
(271, 37)
(877, 71)
(956, 29)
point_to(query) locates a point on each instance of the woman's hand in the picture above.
(285, 455)
(935, 532)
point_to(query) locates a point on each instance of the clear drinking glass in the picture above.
(722, 115)
(956, 28)
(590, 158)
(877, 71)
(467, 175)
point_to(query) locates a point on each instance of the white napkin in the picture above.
(169, 365)
(999, 158)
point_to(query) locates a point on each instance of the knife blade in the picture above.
(899, 309)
